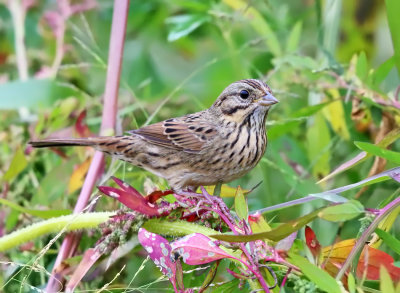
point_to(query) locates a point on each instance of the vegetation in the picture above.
(329, 178)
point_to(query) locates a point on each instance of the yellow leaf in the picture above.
(334, 113)
(318, 138)
(226, 191)
(17, 165)
(77, 177)
(258, 224)
(241, 208)
(385, 225)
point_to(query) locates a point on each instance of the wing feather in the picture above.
(189, 133)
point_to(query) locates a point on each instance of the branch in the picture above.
(115, 54)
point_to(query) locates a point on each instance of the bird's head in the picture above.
(243, 98)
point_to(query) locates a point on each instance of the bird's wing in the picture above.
(187, 133)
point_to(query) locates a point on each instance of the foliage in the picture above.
(334, 66)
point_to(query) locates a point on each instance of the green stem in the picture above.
(176, 228)
(53, 225)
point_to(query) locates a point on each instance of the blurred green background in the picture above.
(330, 63)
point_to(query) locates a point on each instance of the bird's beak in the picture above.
(267, 100)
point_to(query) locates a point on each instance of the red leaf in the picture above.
(312, 242)
(130, 197)
(194, 216)
(197, 249)
(157, 194)
(370, 261)
(89, 258)
(81, 127)
(126, 187)
(159, 251)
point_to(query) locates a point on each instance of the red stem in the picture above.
(252, 266)
(117, 38)
(285, 279)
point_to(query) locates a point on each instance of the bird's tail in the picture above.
(59, 142)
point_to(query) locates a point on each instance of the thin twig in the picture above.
(18, 16)
(364, 237)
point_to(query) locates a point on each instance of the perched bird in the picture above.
(216, 145)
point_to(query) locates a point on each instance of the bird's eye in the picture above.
(244, 94)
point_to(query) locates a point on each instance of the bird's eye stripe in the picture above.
(234, 109)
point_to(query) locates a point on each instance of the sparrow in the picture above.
(216, 145)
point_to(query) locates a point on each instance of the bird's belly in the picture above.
(211, 174)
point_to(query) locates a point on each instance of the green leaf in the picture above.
(44, 214)
(191, 5)
(282, 128)
(392, 11)
(351, 283)
(342, 212)
(294, 37)
(322, 279)
(297, 62)
(382, 71)
(33, 93)
(386, 283)
(182, 25)
(18, 164)
(309, 110)
(176, 228)
(392, 136)
(275, 234)
(379, 151)
(210, 276)
(362, 66)
(230, 286)
(54, 184)
(240, 204)
(318, 138)
(259, 24)
(389, 240)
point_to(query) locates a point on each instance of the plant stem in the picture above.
(18, 17)
(117, 38)
(220, 211)
(60, 37)
(53, 225)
